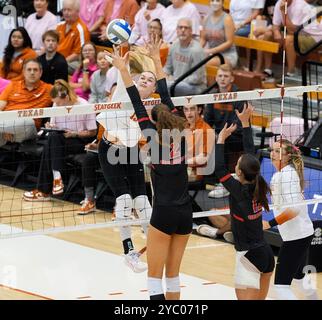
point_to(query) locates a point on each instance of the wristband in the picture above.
(273, 223)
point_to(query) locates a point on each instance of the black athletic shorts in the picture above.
(292, 258)
(262, 258)
(172, 219)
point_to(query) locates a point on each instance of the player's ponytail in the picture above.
(250, 167)
(295, 159)
(165, 120)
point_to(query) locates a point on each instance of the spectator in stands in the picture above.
(92, 14)
(111, 80)
(178, 10)
(200, 146)
(16, 52)
(121, 9)
(73, 34)
(81, 79)
(98, 80)
(184, 54)
(3, 84)
(38, 23)
(243, 12)
(219, 225)
(263, 31)
(78, 131)
(28, 93)
(298, 12)
(90, 162)
(150, 11)
(200, 140)
(218, 114)
(7, 23)
(89, 166)
(218, 34)
(139, 61)
(54, 64)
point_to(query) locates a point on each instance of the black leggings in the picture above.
(89, 166)
(56, 148)
(291, 260)
(125, 178)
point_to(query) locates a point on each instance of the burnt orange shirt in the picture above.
(18, 97)
(16, 65)
(200, 141)
(72, 41)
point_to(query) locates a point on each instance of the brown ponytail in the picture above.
(167, 120)
(296, 159)
(250, 167)
(261, 190)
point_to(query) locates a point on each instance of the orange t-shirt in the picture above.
(200, 141)
(72, 41)
(16, 65)
(18, 97)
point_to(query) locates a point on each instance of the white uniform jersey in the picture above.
(286, 189)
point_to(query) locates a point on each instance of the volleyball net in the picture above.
(20, 161)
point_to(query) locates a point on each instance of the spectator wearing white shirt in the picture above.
(150, 11)
(243, 12)
(38, 23)
(185, 53)
(171, 15)
(298, 12)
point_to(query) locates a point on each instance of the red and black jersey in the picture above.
(169, 170)
(246, 213)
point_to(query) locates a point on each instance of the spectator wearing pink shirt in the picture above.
(80, 80)
(298, 12)
(172, 14)
(3, 84)
(121, 9)
(77, 131)
(40, 22)
(150, 11)
(92, 13)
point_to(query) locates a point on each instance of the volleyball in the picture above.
(118, 31)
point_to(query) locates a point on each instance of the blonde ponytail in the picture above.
(295, 159)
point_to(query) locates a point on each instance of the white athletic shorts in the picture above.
(246, 274)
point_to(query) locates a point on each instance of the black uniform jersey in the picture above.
(169, 170)
(246, 213)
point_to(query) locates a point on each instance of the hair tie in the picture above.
(296, 149)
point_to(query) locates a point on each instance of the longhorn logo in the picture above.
(260, 92)
(68, 108)
(188, 99)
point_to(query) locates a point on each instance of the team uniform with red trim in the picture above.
(253, 256)
(172, 211)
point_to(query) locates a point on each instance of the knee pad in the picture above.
(123, 207)
(284, 292)
(143, 207)
(173, 284)
(155, 286)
